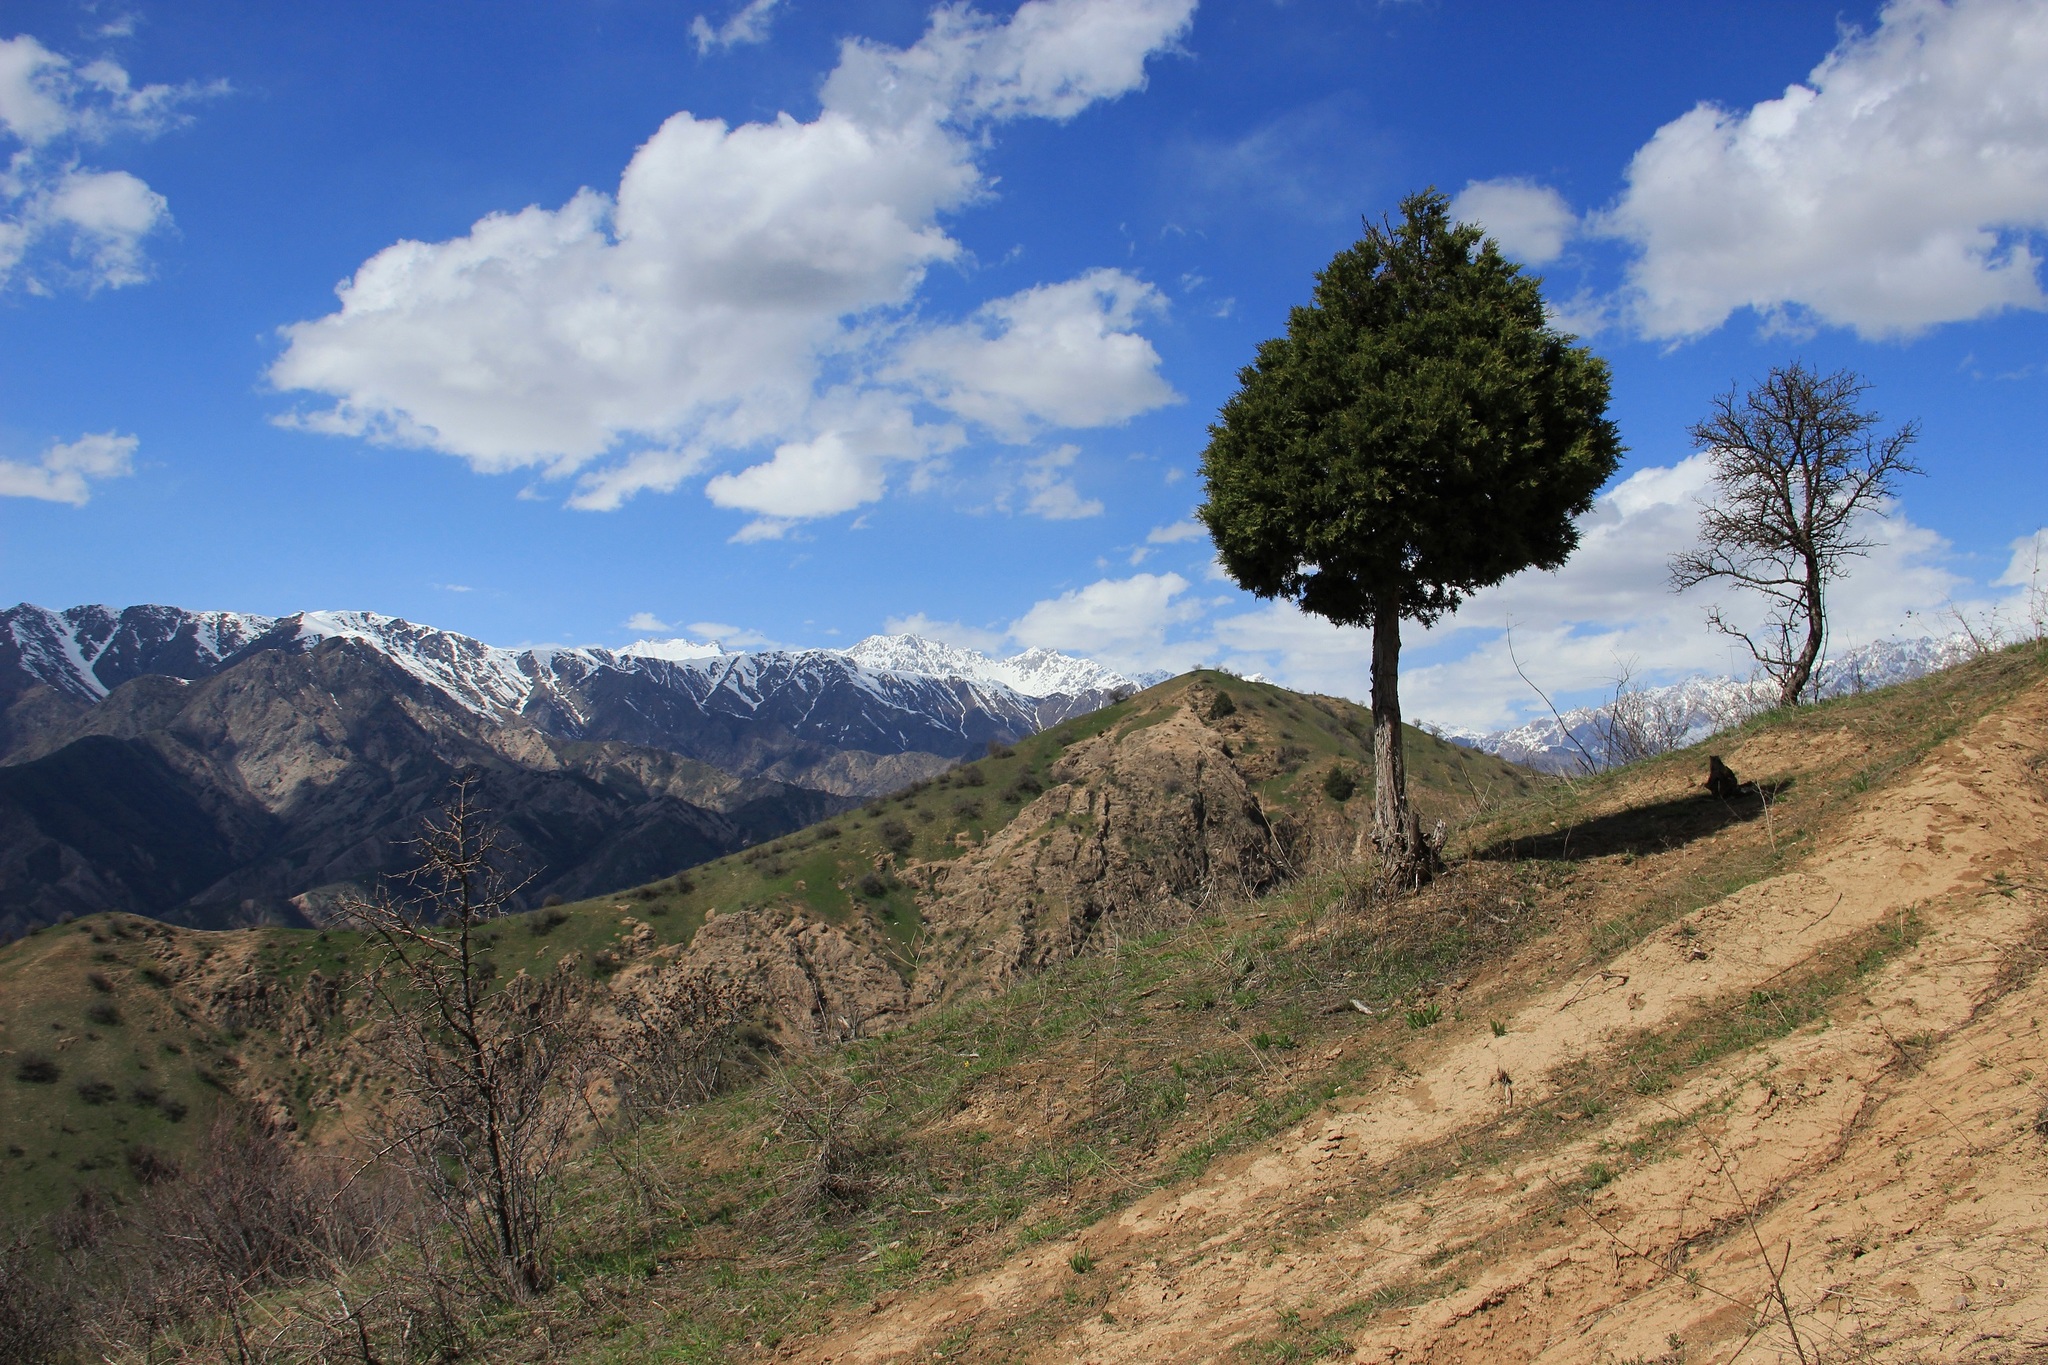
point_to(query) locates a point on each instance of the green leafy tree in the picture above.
(1418, 434)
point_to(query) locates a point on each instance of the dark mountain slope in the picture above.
(290, 777)
(105, 822)
(281, 761)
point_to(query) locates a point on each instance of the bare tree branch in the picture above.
(1797, 469)
(482, 1112)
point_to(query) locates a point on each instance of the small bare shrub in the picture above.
(39, 1312)
(678, 1040)
(1635, 725)
(829, 1118)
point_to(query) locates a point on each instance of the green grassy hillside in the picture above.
(122, 1035)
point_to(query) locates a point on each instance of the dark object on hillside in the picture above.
(1339, 784)
(1721, 779)
(1024, 788)
(36, 1069)
(1222, 706)
(150, 1166)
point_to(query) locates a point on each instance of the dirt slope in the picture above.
(1890, 1158)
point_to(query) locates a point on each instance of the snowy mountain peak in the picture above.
(86, 651)
(1036, 672)
(677, 650)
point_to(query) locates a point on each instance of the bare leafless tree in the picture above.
(1797, 466)
(482, 1114)
(1637, 723)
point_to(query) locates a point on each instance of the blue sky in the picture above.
(789, 322)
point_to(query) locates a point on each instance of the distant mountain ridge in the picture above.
(218, 767)
(1687, 711)
(86, 651)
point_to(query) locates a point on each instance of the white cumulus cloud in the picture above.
(1058, 354)
(1902, 185)
(1531, 222)
(647, 621)
(1178, 533)
(67, 471)
(1121, 621)
(64, 224)
(752, 289)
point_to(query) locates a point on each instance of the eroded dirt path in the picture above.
(1889, 1161)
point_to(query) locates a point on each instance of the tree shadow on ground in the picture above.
(1655, 828)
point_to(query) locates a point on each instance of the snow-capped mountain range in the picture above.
(86, 651)
(1691, 709)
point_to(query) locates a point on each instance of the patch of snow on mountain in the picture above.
(1034, 673)
(51, 651)
(487, 680)
(221, 633)
(675, 651)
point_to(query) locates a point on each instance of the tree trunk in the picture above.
(1405, 857)
(1801, 671)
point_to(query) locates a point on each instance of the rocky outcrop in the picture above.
(1146, 823)
(815, 982)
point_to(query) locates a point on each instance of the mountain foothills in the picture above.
(216, 768)
(1134, 815)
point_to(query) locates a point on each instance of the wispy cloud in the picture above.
(749, 25)
(66, 471)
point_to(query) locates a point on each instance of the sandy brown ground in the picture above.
(1888, 1162)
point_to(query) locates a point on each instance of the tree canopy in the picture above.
(1418, 433)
